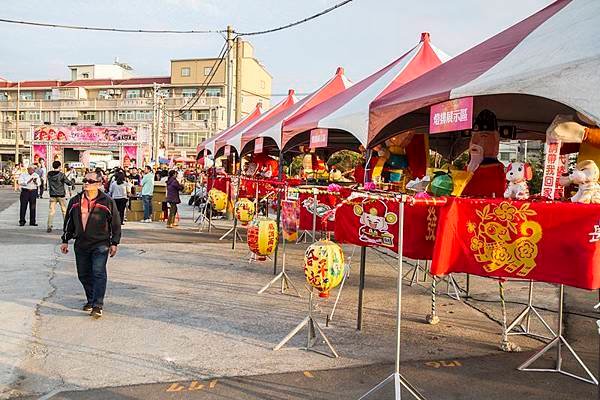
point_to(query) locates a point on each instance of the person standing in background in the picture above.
(173, 189)
(41, 172)
(56, 189)
(72, 177)
(119, 191)
(147, 192)
(29, 182)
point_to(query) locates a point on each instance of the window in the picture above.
(143, 115)
(186, 116)
(262, 84)
(203, 116)
(189, 92)
(88, 116)
(164, 92)
(213, 92)
(3, 96)
(48, 95)
(85, 75)
(103, 94)
(126, 115)
(8, 135)
(26, 95)
(185, 71)
(183, 139)
(207, 71)
(29, 116)
(133, 93)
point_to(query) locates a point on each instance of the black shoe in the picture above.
(87, 307)
(21, 223)
(96, 312)
(49, 230)
(33, 224)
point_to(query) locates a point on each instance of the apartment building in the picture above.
(112, 95)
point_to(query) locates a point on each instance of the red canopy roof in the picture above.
(553, 54)
(349, 110)
(272, 127)
(220, 139)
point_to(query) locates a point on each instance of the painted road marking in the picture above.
(175, 387)
(308, 374)
(443, 364)
(193, 386)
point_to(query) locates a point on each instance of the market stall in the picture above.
(529, 76)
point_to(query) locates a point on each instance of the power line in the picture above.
(103, 29)
(302, 21)
(174, 31)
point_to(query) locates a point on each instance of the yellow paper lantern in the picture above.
(262, 237)
(324, 266)
(218, 199)
(244, 211)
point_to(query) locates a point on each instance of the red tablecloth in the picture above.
(325, 204)
(542, 241)
(375, 223)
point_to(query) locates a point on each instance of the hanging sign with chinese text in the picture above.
(318, 138)
(452, 115)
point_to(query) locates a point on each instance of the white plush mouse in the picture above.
(586, 176)
(517, 175)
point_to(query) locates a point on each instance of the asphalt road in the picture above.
(490, 377)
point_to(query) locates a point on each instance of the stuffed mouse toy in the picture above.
(517, 175)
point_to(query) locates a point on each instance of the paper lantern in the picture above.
(262, 237)
(324, 266)
(218, 199)
(244, 211)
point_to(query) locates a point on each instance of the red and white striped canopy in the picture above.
(349, 110)
(238, 140)
(271, 128)
(554, 54)
(219, 140)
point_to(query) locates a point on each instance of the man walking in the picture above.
(93, 221)
(29, 182)
(56, 188)
(147, 191)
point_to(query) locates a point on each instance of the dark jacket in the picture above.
(103, 225)
(56, 183)
(173, 189)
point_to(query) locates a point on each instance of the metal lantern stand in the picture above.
(313, 329)
(396, 378)
(559, 341)
(526, 314)
(286, 282)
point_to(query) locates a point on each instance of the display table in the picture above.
(554, 242)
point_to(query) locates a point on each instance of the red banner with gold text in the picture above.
(542, 241)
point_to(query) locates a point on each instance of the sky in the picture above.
(362, 36)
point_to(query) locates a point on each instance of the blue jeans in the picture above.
(147, 200)
(91, 270)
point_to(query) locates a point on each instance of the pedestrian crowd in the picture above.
(93, 217)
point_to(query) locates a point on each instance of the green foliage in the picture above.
(345, 159)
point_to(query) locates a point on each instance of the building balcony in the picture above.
(109, 104)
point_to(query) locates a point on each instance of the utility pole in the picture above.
(17, 123)
(155, 123)
(238, 78)
(229, 75)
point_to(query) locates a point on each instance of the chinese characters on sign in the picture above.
(554, 166)
(453, 115)
(318, 138)
(84, 134)
(595, 235)
(227, 150)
